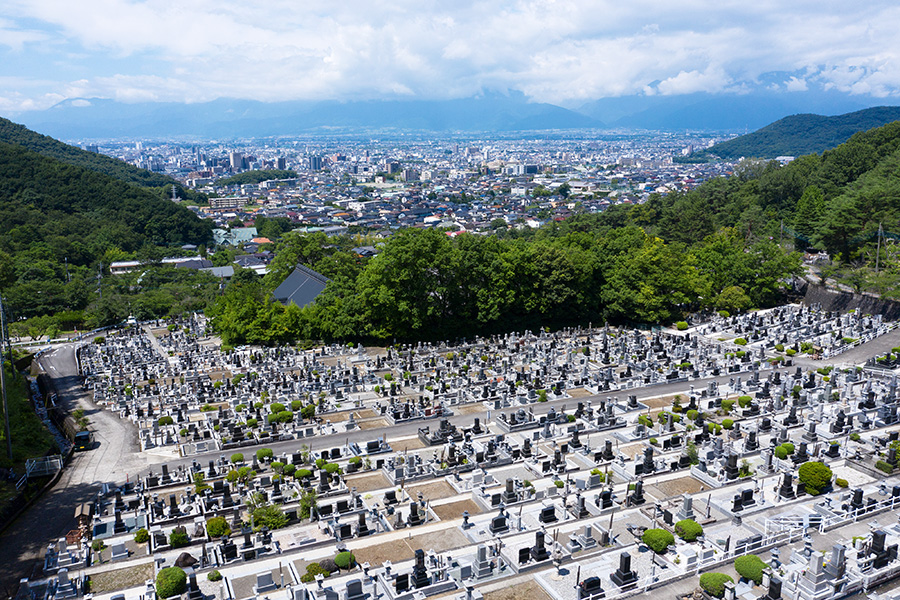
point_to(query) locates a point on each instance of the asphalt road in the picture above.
(23, 544)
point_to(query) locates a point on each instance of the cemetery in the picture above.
(739, 456)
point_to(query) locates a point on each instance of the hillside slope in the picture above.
(798, 135)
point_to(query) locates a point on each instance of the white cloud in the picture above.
(553, 50)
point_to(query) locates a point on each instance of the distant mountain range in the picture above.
(798, 135)
(491, 112)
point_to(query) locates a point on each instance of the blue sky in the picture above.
(565, 52)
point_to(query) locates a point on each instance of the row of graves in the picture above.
(581, 520)
(238, 398)
(801, 328)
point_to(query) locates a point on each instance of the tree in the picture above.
(816, 476)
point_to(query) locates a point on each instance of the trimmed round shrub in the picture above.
(332, 468)
(345, 560)
(681, 325)
(237, 457)
(216, 527)
(750, 566)
(264, 453)
(167, 420)
(816, 476)
(688, 529)
(289, 469)
(251, 423)
(692, 414)
(841, 483)
(714, 583)
(170, 581)
(276, 407)
(214, 575)
(355, 460)
(727, 405)
(658, 539)
(302, 473)
(727, 424)
(740, 341)
(744, 401)
(141, 536)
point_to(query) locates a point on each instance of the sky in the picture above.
(565, 52)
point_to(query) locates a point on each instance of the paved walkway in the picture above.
(23, 544)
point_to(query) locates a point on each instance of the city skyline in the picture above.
(564, 53)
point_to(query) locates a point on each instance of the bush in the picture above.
(170, 581)
(558, 483)
(251, 423)
(289, 469)
(216, 527)
(779, 347)
(264, 453)
(302, 473)
(750, 566)
(167, 420)
(841, 483)
(312, 570)
(744, 401)
(714, 583)
(740, 342)
(355, 460)
(727, 405)
(276, 407)
(681, 325)
(214, 575)
(884, 466)
(790, 352)
(724, 314)
(688, 530)
(645, 421)
(237, 457)
(345, 560)
(296, 405)
(727, 424)
(692, 414)
(284, 416)
(141, 536)
(658, 539)
(855, 437)
(816, 476)
(179, 538)
(332, 468)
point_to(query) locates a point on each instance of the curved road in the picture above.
(24, 542)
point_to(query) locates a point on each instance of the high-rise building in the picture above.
(237, 160)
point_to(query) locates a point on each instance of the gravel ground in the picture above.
(121, 579)
(454, 510)
(368, 483)
(436, 490)
(529, 590)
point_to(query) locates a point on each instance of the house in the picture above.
(301, 287)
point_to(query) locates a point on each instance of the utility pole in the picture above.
(9, 454)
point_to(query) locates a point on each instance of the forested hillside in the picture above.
(61, 221)
(18, 135)
(798, 135)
